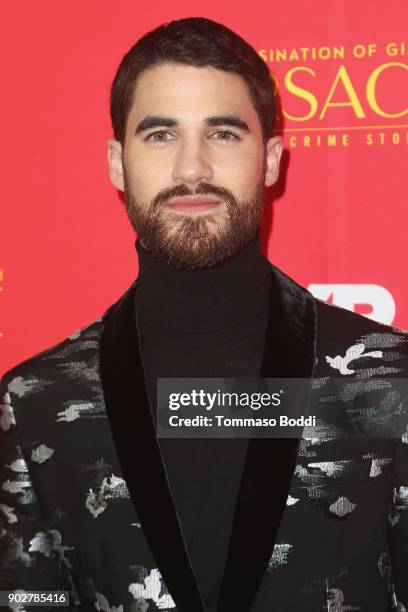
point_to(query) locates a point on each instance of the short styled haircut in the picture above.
(199, 42)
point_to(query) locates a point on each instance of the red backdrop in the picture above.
(339, 216)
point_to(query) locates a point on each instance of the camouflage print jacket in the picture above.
(85, 505)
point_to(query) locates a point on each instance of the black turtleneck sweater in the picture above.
(203, 323)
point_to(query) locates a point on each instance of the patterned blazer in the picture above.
(85, 505)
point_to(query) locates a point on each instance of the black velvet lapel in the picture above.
(289, 353)
(130, 417)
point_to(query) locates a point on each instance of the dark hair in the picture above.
(199, 42)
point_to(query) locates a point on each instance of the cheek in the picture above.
(241, 174)
(149, 169)
(146, 177)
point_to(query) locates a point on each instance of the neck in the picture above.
(171, 300)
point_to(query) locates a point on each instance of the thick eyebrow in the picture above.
(153, 121)
(231, 120)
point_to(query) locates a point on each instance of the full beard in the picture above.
(192, 243)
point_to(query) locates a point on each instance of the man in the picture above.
(93, 502)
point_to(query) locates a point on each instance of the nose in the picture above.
(192, 163)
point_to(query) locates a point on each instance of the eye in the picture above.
(225, 135)
(159, 136)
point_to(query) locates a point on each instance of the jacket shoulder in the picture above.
(64, 360)
(337, 329)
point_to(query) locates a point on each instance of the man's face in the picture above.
(194, 165)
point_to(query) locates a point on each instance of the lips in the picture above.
(193, 204)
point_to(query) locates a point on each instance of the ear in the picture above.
(274, 148)
(115, 164)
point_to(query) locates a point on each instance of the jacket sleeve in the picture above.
(30, 553)
(398, 526)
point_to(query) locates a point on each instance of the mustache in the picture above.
(182, 190)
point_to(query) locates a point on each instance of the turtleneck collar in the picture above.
(172, 301)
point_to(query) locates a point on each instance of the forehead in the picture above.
(187, 92)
